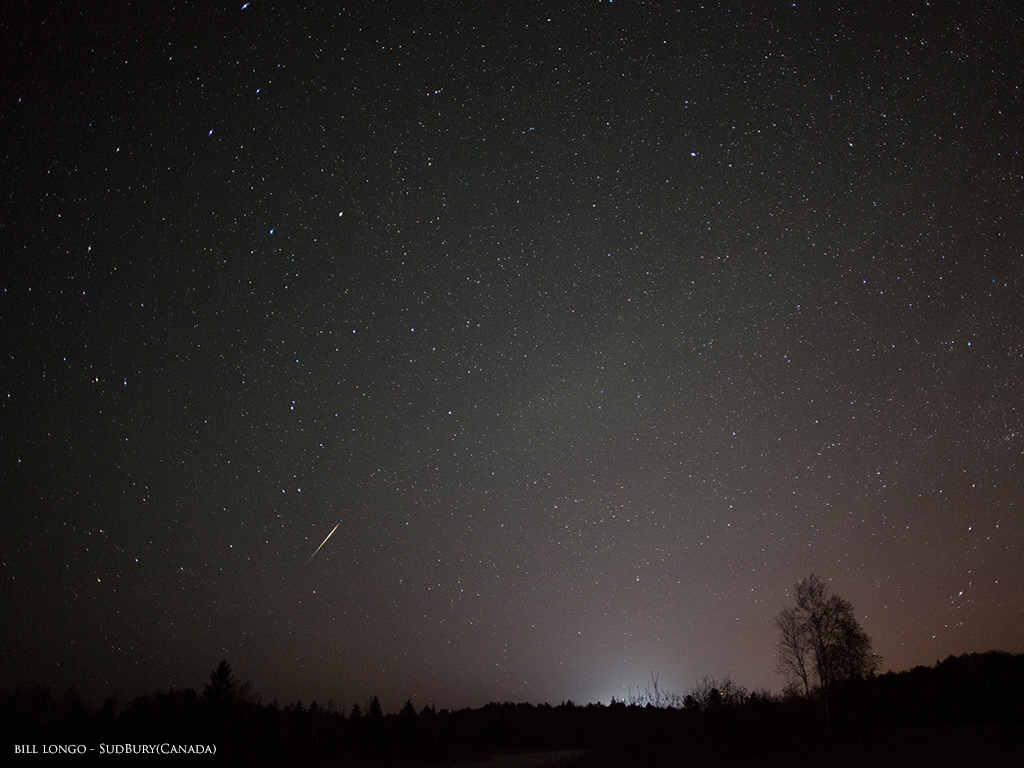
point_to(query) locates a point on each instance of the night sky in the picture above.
(592, 326)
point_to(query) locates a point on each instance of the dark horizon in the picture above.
(965, 710)
(580, 331)
(652, 693)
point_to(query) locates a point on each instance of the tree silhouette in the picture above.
(221, 688)
(820, 642)
(376, 728)
(794, 650)
(408, 731)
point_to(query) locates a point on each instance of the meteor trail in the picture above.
(324, 542)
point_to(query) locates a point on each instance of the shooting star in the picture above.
(324, 542)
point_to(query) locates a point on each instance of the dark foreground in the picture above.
(966, 712)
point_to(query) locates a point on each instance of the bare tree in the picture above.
(794, 650)
(708, 693)
(653, 696)
(820, 641)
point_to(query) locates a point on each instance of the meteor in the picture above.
(324, 542)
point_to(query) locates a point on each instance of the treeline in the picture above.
(966, 710)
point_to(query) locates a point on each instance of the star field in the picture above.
(594, 327)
